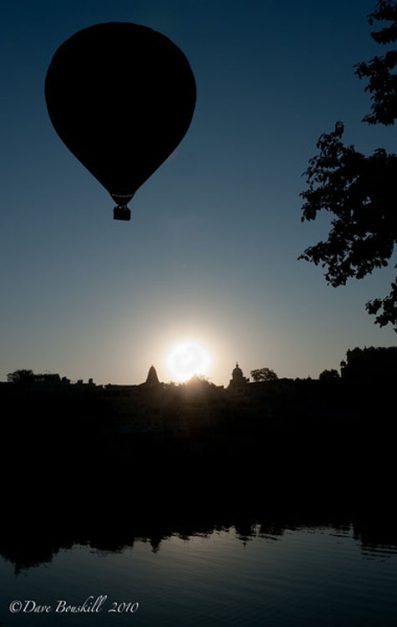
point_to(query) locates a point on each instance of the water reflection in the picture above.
(295, 576)
(34, 532)
(195, 555)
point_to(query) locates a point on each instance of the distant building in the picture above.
(81, 383)
(47, 380)
(238, 383)
(152, 379)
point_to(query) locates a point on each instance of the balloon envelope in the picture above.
(121, 96)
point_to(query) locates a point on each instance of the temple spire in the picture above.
(152, 378)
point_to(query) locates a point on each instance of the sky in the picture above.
(210, 254)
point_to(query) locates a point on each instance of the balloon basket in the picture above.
(122, 213)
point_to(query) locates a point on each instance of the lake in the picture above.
(269, 573)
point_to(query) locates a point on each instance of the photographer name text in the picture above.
(91, 605)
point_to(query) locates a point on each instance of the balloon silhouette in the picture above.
(121, 97)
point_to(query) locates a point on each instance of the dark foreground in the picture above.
(73, 473)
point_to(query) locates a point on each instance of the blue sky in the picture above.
(211, 251)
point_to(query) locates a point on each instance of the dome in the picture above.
(237, 374)
(238, 382)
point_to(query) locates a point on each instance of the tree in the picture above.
(329, 375)
(20, 376)
(263, 374)
(370, 364)
(360, 191)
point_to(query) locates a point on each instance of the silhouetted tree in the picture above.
(360, 191)
(199, 381)
(21, 376)
(263, 374)
(329, 375)
(369, 364)
(382, 83)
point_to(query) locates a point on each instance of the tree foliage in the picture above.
(21, 376)
(382, 82)
(360, 191)
(263, 374)
(368, 364)
(329, 375)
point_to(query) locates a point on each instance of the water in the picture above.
(263, 575)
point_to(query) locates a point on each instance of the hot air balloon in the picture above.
(121, 97)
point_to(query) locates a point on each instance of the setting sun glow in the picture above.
(188, 359)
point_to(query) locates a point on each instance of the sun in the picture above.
(187, 359)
